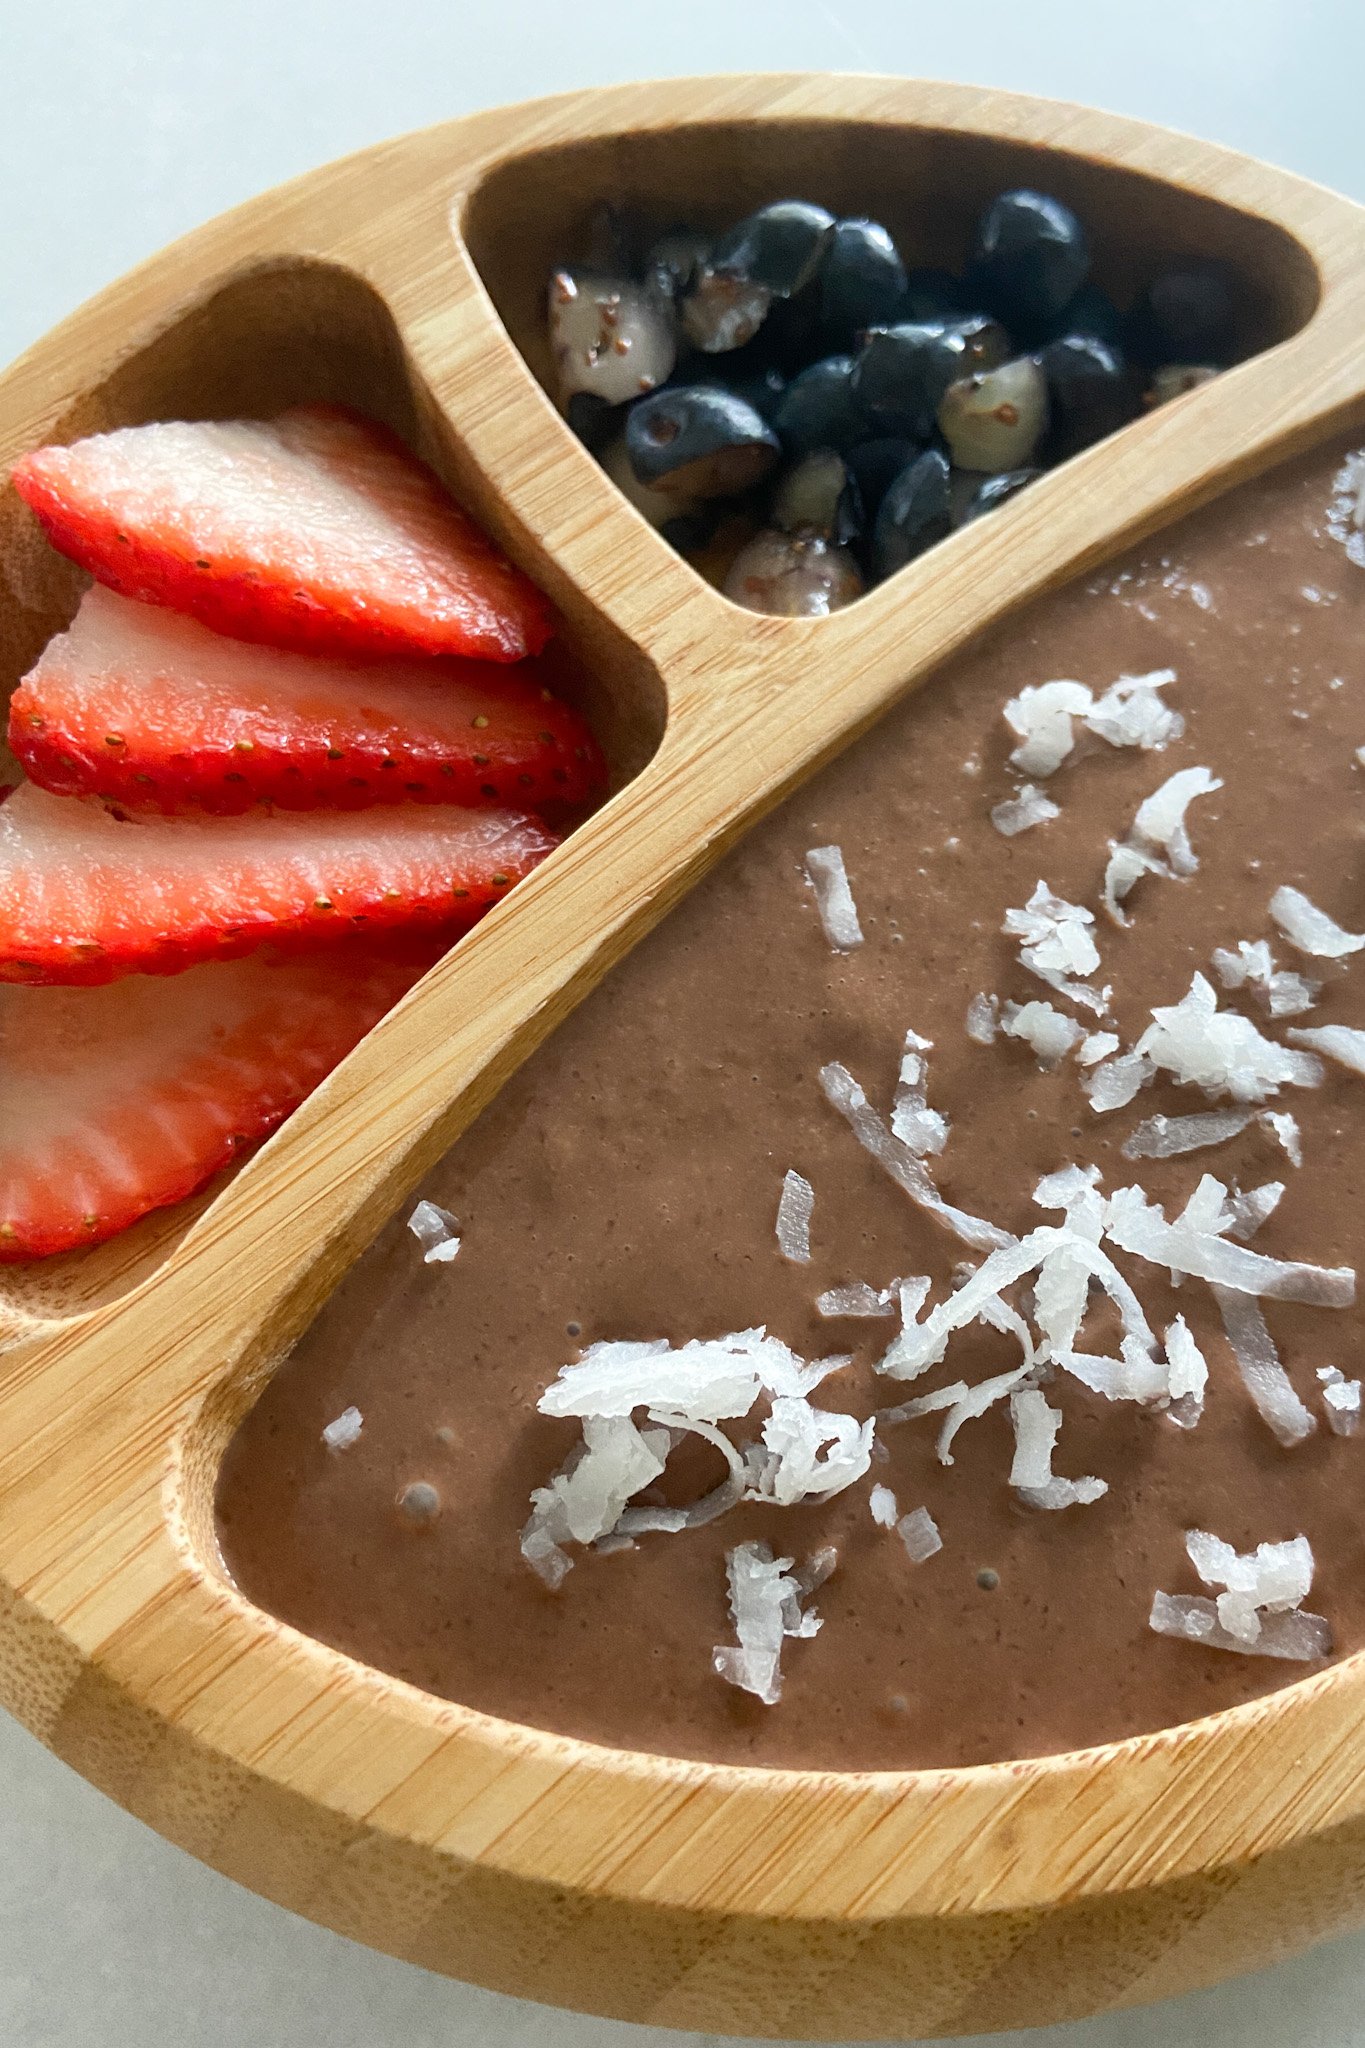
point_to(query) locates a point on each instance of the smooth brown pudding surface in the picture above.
(625, 1184)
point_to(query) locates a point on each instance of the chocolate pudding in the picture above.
(625, 1185)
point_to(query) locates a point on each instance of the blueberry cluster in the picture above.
(802, 415)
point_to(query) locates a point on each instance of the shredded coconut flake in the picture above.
(1296, 1637)
(1187, 1375)
(908, 1172)
(1339, 1042)
(705, 1380)
(1049, 1032)
(921, 1130)
(828, 879)
(1114, 1084)
(1252, 966)
(1138, 1226)
(982, 1014)
(344, 1431)
(1340, 1400)
(1159, 826)
(1042, 715)
(809, 1453)
(1131, 712)
(437, 1231)
(794, 1211)
(1058, 945)
(1263, 1375)
(882, 1502)
(1284, 1128)
(919, 1533)
(1311, 930)
(1022, 811)
(765, 1606)
(1036, 1424)
(1126, 867)
(1258, 1610)
(1221, 1051)
(854, 1299)
(1167, 1137)
(587, 1496)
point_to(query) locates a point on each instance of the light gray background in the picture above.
(125, 122)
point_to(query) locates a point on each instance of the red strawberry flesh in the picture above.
(117, 1101)
(155, 712)
(316, 530)
(86, 897)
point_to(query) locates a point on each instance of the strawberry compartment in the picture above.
(271, 336)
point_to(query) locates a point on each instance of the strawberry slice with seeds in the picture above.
(155, 712)
(116, 1101)
(316, 530)
(86, 897)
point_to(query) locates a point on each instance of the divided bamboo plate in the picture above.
(769, 1902)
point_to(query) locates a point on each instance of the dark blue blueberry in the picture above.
(780, 247)
(915, 513)
(763, 390)
(932, 294)
(1030, 257)
(862, 282)
(994, 491)
(1187, 315)
(699, 442)
(672, 262)
(818, 408)
(902, 372)
(1090, 393)
(875, 465)
(1092, 312)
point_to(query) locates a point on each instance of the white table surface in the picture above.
(126, 122)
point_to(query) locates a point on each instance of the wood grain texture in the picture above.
(767, 1902)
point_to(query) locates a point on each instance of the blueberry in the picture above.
(1187, 315)
(819, 494)
(874, 465)
(862, 283)
(1090, 393)
(902, 372)
(1173, 380)
(659, 507)
(993, 491)
(672, 262)
(818, 408)
(780, 247)
(1091, 312)
(932, 294)
(914, 513)
(721, 312)
(763, 391)
(1030, 256)
(797, 576)
(995, 419)
(696, 442)
(611, 338)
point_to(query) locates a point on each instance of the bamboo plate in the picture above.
(768, 1902)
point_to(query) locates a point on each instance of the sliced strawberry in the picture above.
(316, 530)
(115, 1101)
(86, 897)
(157, 713)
